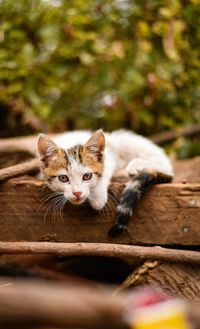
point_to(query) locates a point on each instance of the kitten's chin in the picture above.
(77, 201)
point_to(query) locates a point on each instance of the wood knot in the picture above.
(185, 229)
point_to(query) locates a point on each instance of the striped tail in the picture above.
(134, 190)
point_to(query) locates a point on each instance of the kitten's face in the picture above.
(76, 171)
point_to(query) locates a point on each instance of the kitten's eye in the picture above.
(63, 178)
(87, 176)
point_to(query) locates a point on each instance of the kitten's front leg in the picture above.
(99, 196)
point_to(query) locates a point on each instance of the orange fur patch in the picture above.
(59, 161)
(90, 160)
(56, 163)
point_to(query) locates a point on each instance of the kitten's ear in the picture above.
(96, 144)
(46, 147)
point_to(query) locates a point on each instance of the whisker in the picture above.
(63, 202)
(48, 208)
(113, 199)
(44, 206)
(57, 208)
(50, 195)
(109, 209)
(106, 210)
(47, 198)
(51, 205)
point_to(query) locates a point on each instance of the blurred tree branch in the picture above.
(18, 109)
(170, 136)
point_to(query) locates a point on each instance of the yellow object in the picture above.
(166, 315)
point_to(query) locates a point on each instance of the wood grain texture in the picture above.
(167, 214)
(176, 279)
(180, 280)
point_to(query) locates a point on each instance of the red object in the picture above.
(147, 297)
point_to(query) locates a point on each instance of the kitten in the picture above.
(80, 165)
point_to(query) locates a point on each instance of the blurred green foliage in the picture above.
(106, 63)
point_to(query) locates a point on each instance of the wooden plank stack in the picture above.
(168, 217)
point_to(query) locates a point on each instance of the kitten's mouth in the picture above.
(77, 201)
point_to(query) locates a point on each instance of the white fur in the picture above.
(69, 139)
(125, 152)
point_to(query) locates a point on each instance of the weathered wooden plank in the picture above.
(167, 215)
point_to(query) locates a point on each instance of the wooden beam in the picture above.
(167, 215)
(102, 250)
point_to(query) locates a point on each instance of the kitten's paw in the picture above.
(98, 202)
(135, 166)
(115, 230)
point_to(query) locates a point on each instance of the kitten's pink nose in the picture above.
(77, 194)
